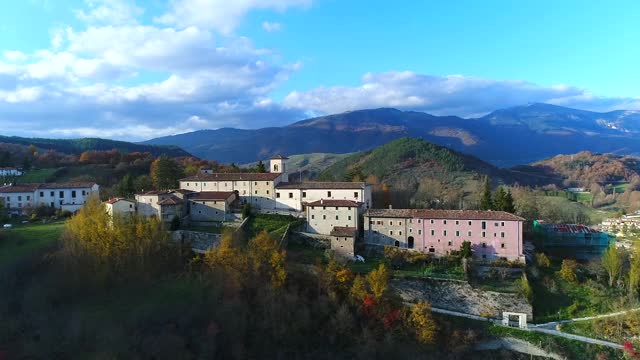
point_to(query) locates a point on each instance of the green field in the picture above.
(22, 240)
(38, 176)
(274, 224)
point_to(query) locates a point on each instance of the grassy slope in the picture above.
(22, 240)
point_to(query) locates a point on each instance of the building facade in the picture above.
(10, 171)
(70, 196)
(493, 234)
(343, 240)
(120, 207)
(210, 205)
(324, 215)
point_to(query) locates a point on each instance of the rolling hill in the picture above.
(77, 146)
(507, 137)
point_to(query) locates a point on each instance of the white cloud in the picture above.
(14, 55)
(221, 15)
(271, 26)
(109, 12)
(445, 95)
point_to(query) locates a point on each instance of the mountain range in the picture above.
(506, 137)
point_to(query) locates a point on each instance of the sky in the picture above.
(138, 69)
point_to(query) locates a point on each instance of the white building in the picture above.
(324, 215)
(273, 191)
(120, 206)
(164, 204)
(10, 171)
(210, 205)
(64, 196)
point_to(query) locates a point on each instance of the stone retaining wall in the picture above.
(461, 297)
(200, 242)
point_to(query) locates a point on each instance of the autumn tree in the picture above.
(568, 270)
(267, 259)
(422, 323)
(542, 260)
(378, 281)
(525, 288)
(165, 173)
(358, 290)
(634, 274)
(486, 202)
(612, 262)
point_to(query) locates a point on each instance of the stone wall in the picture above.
(313, 240)
(461, 297)
(199, 241)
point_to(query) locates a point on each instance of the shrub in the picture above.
(542, 260)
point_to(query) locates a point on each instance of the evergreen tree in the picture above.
(486, 203)
(499, 199)
(260, 168)
(165, 173)
(143, 183)
(126, 188)
(509, 205)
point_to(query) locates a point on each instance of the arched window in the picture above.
(410, 240)
(275, 168)
(397, 243)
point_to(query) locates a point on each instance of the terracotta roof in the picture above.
(344, 231)
(172, 200)
(321, 185)
(443, 214)
(67, 185)
(338, 203)
(233, 177)
(115, 200)
(211, 195)
(22, 188)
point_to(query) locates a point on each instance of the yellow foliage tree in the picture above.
(422, 323)
(568, 270)
(358, 290)
(612, 262)
(378, 281)
(266, 258)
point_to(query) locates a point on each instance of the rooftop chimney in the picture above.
(321, 201)
(390, 206)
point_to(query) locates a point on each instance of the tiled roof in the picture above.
(172, 200)
(321, 185)
(115, 200)
(233, 177)
(183, 191)
(22, 188)
(443, 214)
(344, 231)
(67, 185)
(212, 195)
(337, 203)
(154, 192)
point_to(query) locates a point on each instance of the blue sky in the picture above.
(138, 69)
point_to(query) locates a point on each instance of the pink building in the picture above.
(493, 234)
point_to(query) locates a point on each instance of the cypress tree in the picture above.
(486, 203)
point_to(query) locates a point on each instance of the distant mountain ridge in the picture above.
(77, 146)
(506, 137)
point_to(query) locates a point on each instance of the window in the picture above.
(469, 233)
(278, 195)
(266, 183)
(484, 225)
(28, 197)
(410, 242)
(502, 223)
(419, 232)
(328, 193)
(349, 217)
(324, 208)
(444, 232)
(337, 217)
(400, 233)
(52, 194)
(450, 243)
(41, 193)
(496, 224)
(73, 193)
(370, 222)
(410, 230)
(256, 192)
(290, 195)
(419, 221)
(62, 194)
(457, 222)
(83, 193)
(390, 223)
(457, 233)
(324, 217)
(432, 250)
(267, 192)
(495, 235)
(432, 221)
(444, 222)
(391, 232)
(469, 223)
(304, 194)
(313, 216)
(502, 234)
(433, 232)
(484, 234)
(336, 208)
(502, 245)
(255, 183)
(355, 194)
(379, 222)
(397, 244)
(205, 184)
(400, 223)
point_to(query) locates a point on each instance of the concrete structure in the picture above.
(493, 234)
(522, 319)
(65, 196)
(120, 206)
(324, 215)
(210, 205)
(10, 171)
(272, 191)
(343, 240)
